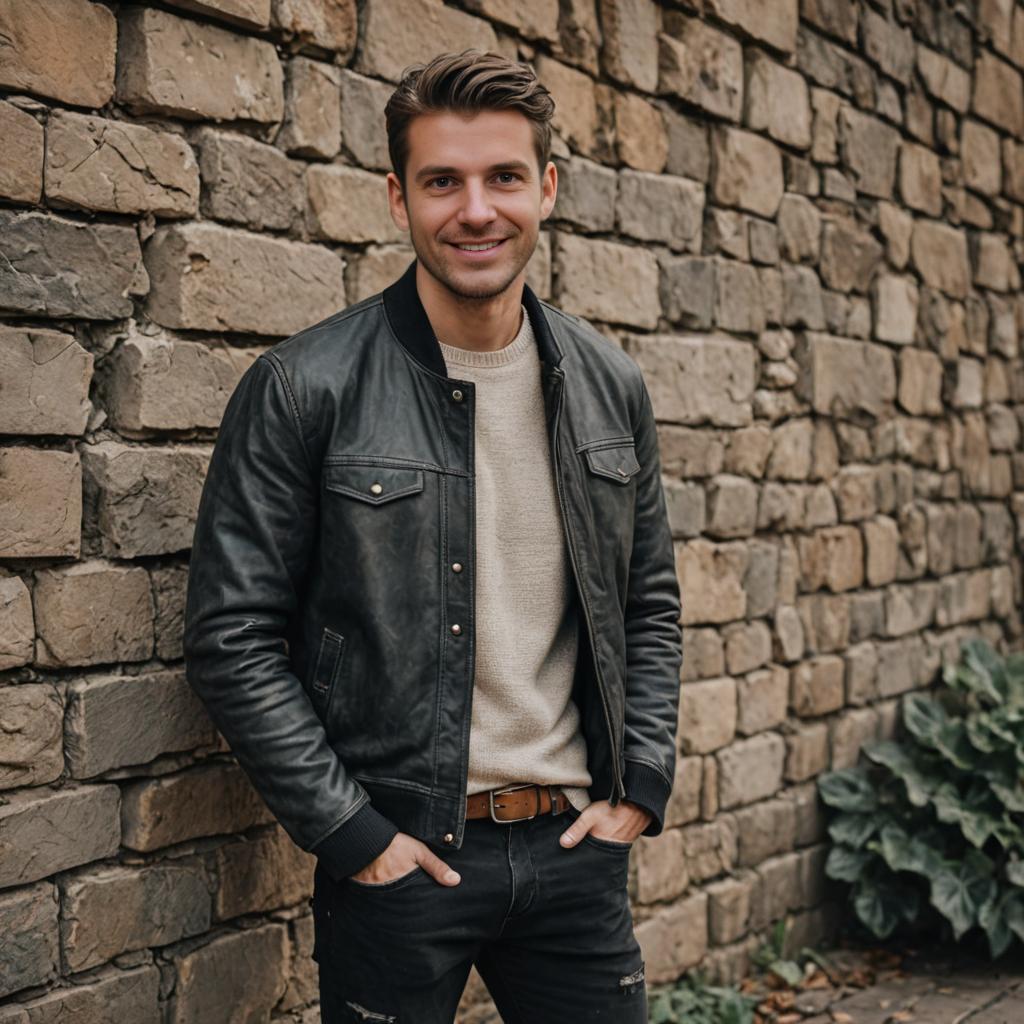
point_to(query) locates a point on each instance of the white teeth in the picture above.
(478, 248)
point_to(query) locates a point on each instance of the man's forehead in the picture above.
(481, 138)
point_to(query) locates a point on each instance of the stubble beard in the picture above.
(441, 271)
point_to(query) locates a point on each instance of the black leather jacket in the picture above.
(329, 621)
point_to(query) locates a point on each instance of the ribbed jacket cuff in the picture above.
(646, 787)
(354, 843)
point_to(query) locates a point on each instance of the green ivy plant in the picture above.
(934, 822)
(692, 1000)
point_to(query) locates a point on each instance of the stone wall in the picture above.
(802, 220)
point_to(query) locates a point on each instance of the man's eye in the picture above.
(508, 174)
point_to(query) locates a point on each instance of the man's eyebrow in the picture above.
(507, 165)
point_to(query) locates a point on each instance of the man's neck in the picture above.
(482, 325)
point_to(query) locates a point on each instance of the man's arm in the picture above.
(653, 636)
(255, 529)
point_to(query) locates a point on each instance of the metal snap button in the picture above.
(376, 488)
(456, 628)
(456, 567)
(457, 395)
(449, 838)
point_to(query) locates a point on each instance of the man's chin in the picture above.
(482, 284)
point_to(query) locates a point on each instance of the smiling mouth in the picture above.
(477, 246)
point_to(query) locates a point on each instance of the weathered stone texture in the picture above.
(227, 77)
(118, 720)
(56, 267)
(701, 65)
(747, 171)
(206, 277)
(95, 163)
(312, 110)
(44, 382)
(17, 627)
(29, 940)
(323, 24)
(346, 204)
(33, 483)
(261, 875)
(396, 33)
(158, 517)
(62, 49)
(44, 831)
(21, 171)
(30, 720)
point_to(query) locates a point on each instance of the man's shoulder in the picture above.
(582, 342)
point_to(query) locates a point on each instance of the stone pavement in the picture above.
(948, 987)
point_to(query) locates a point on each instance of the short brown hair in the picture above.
(470, 81)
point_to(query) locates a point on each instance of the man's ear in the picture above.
(396, 202)
(549, 189)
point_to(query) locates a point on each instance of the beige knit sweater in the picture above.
(525, 725)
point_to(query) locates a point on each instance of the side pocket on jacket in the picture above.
(327, 668)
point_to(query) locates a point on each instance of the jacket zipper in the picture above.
(571, 539)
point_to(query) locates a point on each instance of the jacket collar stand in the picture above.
(411, 326)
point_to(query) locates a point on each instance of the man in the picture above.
(432, 603)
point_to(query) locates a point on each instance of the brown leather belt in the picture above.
(516, 803)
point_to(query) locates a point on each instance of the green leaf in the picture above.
(959, 891)
(924, 717)
(953, 809)
(848, 790)
(852, 829)
(1015, 872)
(992, 919)
(981, 658)
(880, 905)
(907, 853)
(845, 864)
(790, 972)
(898, 759)
(951, 740)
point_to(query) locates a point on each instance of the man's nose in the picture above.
(476, 207)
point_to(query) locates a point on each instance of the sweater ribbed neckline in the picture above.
(517, 347)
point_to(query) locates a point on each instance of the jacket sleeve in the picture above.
(653, 637)
(255, 529)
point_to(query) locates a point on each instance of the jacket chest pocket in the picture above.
(375, 485)
(614, 461)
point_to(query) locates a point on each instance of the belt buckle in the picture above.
(511, 789)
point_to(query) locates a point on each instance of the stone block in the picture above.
(228, 76)
(61, 49)
(397, 33)
(536, 19)
(777, 101)
(728, 909)
(688, 290)
(888, 45)
(806, 751)
(746, 171)
(207, 277)
(312, 110)
(314, 23)
(115, 720)
(660, 208)
(731, 507)
(998, 95)
(362, 118)
(261, 875)
(909, 608)
(207, 800)
(641, 140)
(120, 909)
(159, 382)
(774, 22)
(850, 731)
(239, 975)
(96, 163)
(939, 253)
(586, 194)
(244, 13)
(715, 571)
(701, 65)
(629, 30)
(776, 891)
(817, 686)
(577, 117)
(762, 700)
(158, 517)
(33, 482)
(606, 281)
(43, 831)
(250, 183)
(750, 769)
(802, 301)
(845, 378)
(831, 557)
(850, 255)
(29, 941)
(46, 376)
(895, 303)
(836, 17)
(169, 586)
(674, 940)
(868, 147)
(995, 266)
(31, 717)
(980, 152)
(920, 178)
(707, 715)
(689, 153)
(765, 828)
(381, 265)
(21, 173)
(346, 204)
(17, 627)
(920, 391)
(92, 612)
(944, 79)
(61, 268)
(799, 229)
(661, 869)
(684, 804)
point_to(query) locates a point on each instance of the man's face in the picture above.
(473, 180)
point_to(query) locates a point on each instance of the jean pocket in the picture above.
(612, 845)
(391, 884)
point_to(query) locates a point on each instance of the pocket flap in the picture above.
(373, 484)
(618, 463)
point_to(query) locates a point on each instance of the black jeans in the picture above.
(550, 930)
